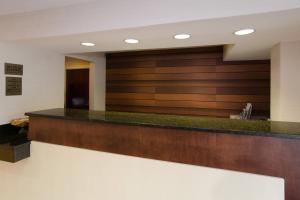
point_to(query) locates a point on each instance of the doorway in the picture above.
(77, 88)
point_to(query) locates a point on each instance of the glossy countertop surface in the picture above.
(249, 127)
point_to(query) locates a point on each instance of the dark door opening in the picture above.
(77, 88)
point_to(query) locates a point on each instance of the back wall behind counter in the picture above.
(194, 81)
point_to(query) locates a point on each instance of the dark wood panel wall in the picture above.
(193, 81)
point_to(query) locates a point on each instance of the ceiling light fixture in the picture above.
(131, 41)
(88, 44)
(182, 36)
(244, 31)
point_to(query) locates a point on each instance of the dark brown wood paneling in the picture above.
(252, 154)
(186, 80)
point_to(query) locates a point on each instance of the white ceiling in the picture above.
(108, 23)
(270, 29)
(8, 7)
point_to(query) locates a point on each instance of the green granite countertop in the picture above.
(249, 127)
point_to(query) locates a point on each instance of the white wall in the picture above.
(43, 81)
(63, 173)
(285, 82)
(97, 78)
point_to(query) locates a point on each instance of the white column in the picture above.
(285, 82)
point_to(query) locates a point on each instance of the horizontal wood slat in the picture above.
(190, 76)
(186, 81)
(166, 52)
(243, 90)
(184, 69)
(130, 102)
(133, 70)
(243, 98)
(185, 56)
(185, 97)
(141, 77)
(142, 64)
(243, 68)
(130, 96)
(246, 75)
(197, 83)
(130, 89)
(186, 90)
(161, 70)
(186, 62)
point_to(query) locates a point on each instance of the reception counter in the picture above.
(260, 147)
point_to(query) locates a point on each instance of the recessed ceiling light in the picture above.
(244, 31)
(88, 44)
(131, 41)
(182, 36)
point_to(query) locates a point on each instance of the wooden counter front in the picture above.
(271, 156)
